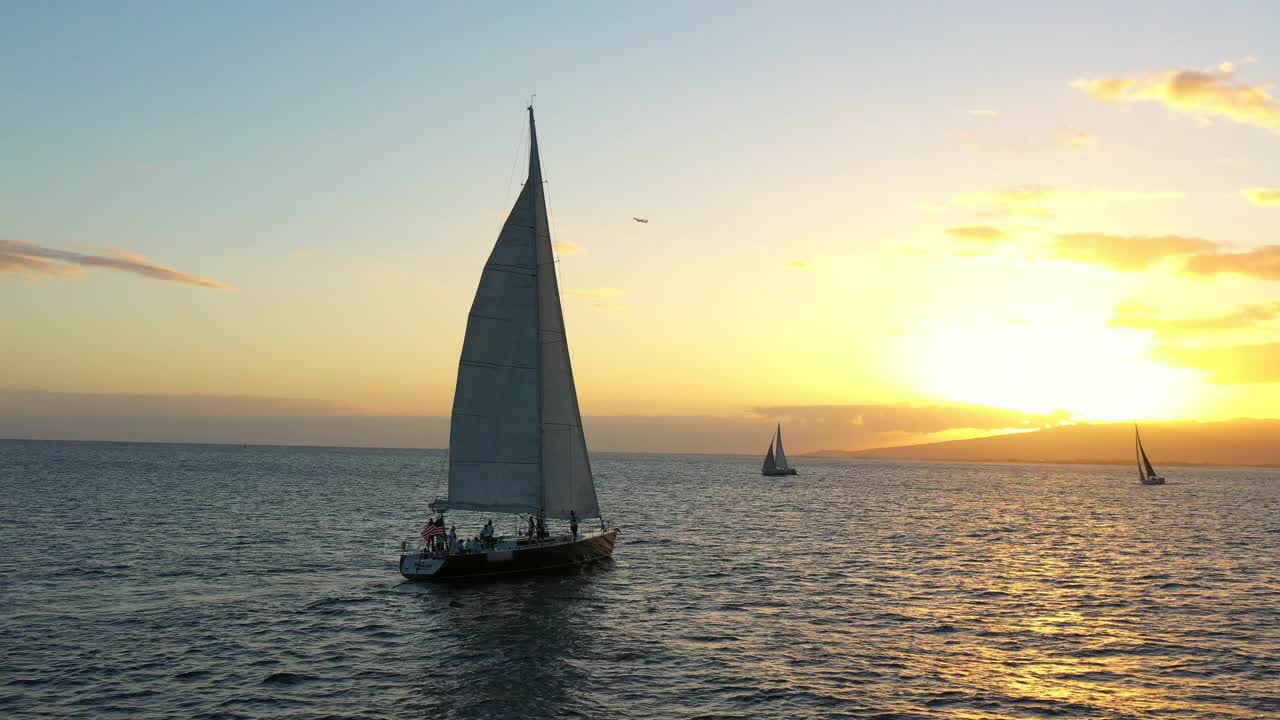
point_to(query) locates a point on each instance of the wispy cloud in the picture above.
(801, 265)
(604, 298)
(1126, 252)
(567, 247)
(23, 257)
(603, 292)
(1142, 317)
(911, 418)
(985, 113)
(1262, 197)
(1199, 93)
(1041, 200)
(984, 234)
(1233, 365)
(1260, 263)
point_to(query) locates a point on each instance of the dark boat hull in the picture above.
(778, 473)
(523, 559)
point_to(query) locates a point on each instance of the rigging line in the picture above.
(521, 142)
(553, 228)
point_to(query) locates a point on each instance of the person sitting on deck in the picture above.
(477, 545)
(573, 524)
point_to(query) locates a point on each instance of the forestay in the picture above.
(515, 439)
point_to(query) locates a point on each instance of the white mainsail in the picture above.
(781, 455)
(515, 440)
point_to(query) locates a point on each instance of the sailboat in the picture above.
(1146, 474)
(515, 437)
(775, 463)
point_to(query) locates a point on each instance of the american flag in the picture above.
(432, 530)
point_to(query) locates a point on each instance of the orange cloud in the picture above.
(1234, 365)
(1262, 263)
(979, 234)
(1140, 317)
(1126, 253)
(23, 257)
(1200, 93)
(1262, 197)
(1040, 200)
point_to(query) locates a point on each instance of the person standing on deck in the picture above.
(573, 524)
(531, 527)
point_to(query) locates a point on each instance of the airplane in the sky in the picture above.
(641, 220)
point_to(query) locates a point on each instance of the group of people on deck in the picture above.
(448, 544)
(538, 529)
(480, 543)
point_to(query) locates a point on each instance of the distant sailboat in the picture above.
(775, 463)
(516, 443)
(1146, 474)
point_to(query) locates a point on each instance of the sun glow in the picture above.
(1094, 373)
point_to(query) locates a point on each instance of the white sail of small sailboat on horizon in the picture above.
(775, 462)
(1146, 474)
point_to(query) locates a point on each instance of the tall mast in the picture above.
(535, 197)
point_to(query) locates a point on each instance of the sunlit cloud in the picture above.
(1041, 200)
(1262, 197)
(985, 113)
(984, 234)
(567, 247)
(1202, 94)
(1260, 263)
(23, 257)
(1076, 139)
(1126, 252)
(1143, 317)
(1233, 365)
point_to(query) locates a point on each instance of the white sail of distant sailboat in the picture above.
(782, 455)
(1146, 474)
(775, 462)
(515, 441)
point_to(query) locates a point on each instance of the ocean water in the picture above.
(220, 582)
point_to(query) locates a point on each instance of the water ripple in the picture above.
(218, 582)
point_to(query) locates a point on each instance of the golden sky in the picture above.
(869, 212)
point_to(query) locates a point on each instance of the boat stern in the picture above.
(419, 566)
